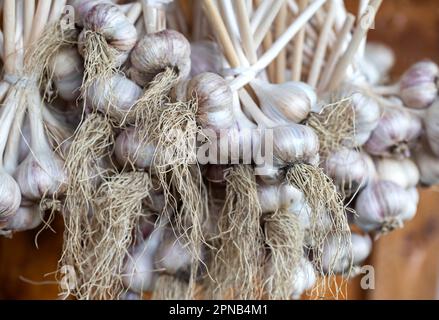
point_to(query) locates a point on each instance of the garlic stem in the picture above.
(265, 25)
(154, 15)
(259, 14)
(4, 87)
(250, 106)
(296, 69)
(57, 9)
(387, 90)
(40, 19)
(246, 34)
(9, 34)
(6, 120)
(39, 142)
(134, 12)
(29, 12)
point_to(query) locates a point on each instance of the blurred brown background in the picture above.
(406, 262)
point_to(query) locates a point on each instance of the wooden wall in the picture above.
(406, 262)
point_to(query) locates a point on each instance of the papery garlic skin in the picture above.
(26, 218)
(286, 102)
(42, 177)
(428, 165)
(205, 57)
(396, 131)
(107, 20)
(403, 172)
(114, 97)
(419, 85)
(68, 71)
(348, 169)
(276, 197)
(383, 206)
(431, 122)
(130, 151)
(367, 116)
(215, 101)
(157, 51)
(10, 196)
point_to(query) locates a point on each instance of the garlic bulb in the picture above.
(305, 278)
(381, 57)
(172, 257)
(138, 274)
(114, 97)
(10, 196)
(286, 102)
(367, 116)
(403, 172)
(157, 51)
(26, 218)
(129, 150)
(419, 85)
(108, 21)
(294, 143)
(82, 7)
(348, 169)
(396, 131)
(215, 101)
(431, 121)
(68, 71)
(383, 206)
(428, 165)
(205, 57)
(342, 262)
(276, 197)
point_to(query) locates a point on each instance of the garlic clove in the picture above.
(276, 197)
(157, 51)
(431, 121)
(403, 172)
(10, 196)
(419, 85)
(286, 102)
(395, 133)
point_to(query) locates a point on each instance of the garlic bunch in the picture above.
(107, 21)
(428, 166)
(129, 150)
(384, 206)
(431, 121)
(156, 52)
(115, 96)
(343, 262)
(396, 132)
(286, 102)
(419, 85)
(205, 57)
(348, 169)
(403, 172)
(67, 68)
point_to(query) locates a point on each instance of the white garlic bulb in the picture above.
(286, 102)
(294, 143)
(129, 151)
(276, 197)
(367, 116)
(139, 271)
(68, 71)
(381, 57)
(348, 169)
(82, 7)
(114, 97)
(305, 278)
(419, 85)
(108, 21)
(41, 177)
(215, 101)
(205, 57)
(342, 261)
(431, 121)
(428, 165)
(395, 133)
(26, 218)
(157, 51)
(10, 196)
(383, 206)
(403, 172)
